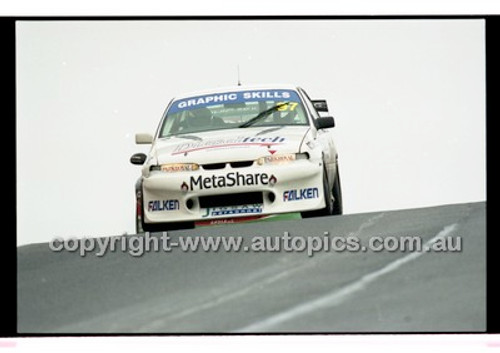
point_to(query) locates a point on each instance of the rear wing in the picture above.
(320, 105)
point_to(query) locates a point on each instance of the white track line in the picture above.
(338, 296)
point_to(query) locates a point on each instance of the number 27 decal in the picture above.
(287, 106)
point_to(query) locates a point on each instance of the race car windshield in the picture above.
(234, 110)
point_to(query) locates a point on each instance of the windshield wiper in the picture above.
(263, 114)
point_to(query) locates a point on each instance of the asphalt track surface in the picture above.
(221, 292)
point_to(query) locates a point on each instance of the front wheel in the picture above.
(337, 194)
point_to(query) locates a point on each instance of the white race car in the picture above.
(238, 153)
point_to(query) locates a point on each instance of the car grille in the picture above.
(215, 166)
(242, 164)
(245, 198)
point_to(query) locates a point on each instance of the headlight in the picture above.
(176, 167)
(282, 158)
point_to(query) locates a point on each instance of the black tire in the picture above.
(328, 196)
(337, 194)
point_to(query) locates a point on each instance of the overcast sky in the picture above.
(408, 97)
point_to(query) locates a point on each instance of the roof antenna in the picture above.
(239, 82)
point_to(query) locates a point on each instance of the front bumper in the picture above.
(232, 192)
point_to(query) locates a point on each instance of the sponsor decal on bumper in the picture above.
(233, 210)
(227, 181)
(300, 194)
(163, 205)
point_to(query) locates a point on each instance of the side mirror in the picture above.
(320, 105)
(143, 139)
(138, 159)
(325, 122)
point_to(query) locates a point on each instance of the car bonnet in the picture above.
(229, 145)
